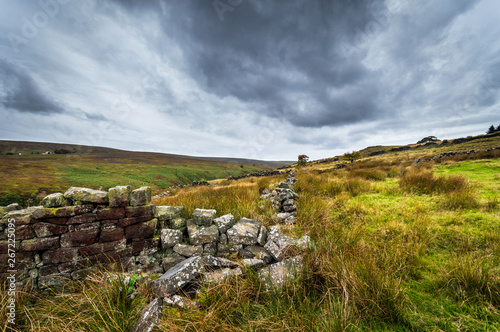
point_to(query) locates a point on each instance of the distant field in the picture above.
(27, 175)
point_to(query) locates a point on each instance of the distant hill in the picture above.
(33, 174)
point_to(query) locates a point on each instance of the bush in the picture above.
(10, 198)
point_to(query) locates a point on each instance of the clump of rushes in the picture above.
(421, 181)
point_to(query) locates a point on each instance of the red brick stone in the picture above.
(110, 213)
(85, 227)
(142, 230)
(82, 219)
(24, 232)
(48, 270)
(109, 235)
(60, 255)
(43, 229)
(58, 221)
(130, 221)
(112, 256)
(79, 239)
(44, 243)
(98, 248)
(145, 244)
(4, 246)
(140, 211)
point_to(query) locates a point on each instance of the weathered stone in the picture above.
(304, 242)
(274, 250)
(141, 196)
(110, 213)
(289, 208)
(109, 235)
(57, 221)
(262, 238)
(149, 317)
(13, 207)
(177, 223)
(60, 255)
(24, 232)
(224, 249)
(112, 256)
(79, 239)
(119, 196)
(142, 230)
(186, 271)
(68, 267)
(171, 260)
(87, 195)
(221, 275)
(204, 217)
(200, 234)
(223, 239)
(84, 227)
(53, 200)
(22, 217)
(276, 275)
(260, 253)
(140, 211)
(130, 221)
(170, 237)
(146, 246)
(188, 250)
(43, 229)
(164, 213)
(48, 270)
(244, 231)
(225, 222)
(181, 302)
(98, 248)
(44, 243)
(210, 248)
(253, 263)
(82, 219)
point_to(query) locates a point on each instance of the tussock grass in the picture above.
(425, 182)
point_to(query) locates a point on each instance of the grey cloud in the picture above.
(20, 92)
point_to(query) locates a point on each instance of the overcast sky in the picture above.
(247, 78)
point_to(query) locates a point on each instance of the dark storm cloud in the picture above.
(265, 53)
(19, 91)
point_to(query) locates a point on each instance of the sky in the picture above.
(253, 79)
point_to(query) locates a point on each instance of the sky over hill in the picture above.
(253, 79)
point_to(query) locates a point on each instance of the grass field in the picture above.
(24, 176)
(397, 247)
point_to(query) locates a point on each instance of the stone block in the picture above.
(141, 196)
(60, 255)
(84, 227)
(225, 222)
(204, 217)
(170, 237)
(43, 229)
(146, 247)
(164, 213)
(188, 250)
(119, 196)
(177, 223)
(245, 231)
(79, 239)
(140, 211)
(200, 234)
(109, 235)
(87, 195)
(110, 213)
(278, 274)
(82, 219)
(141, 230)
(98, 248)
(24, 232)
(134, 220)
(54, 200)
(44, 243)
(262, 238)
(210, 248)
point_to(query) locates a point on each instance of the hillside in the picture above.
(31, 173)
(396, 246)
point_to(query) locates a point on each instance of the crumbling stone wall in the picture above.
(70, 232)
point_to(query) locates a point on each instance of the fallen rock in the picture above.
(149, 317)
(277, 274)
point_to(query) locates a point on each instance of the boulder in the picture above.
(203, 217)
(87, 195)
(245, 231)
(262, 238)
(170, 237)
(53, 200)
(119, 196)
(164, 213)
(200, 234)
(224, 222)
(177, 277)
(140, 196)
(253, 263)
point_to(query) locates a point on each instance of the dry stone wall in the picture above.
(72, 231)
